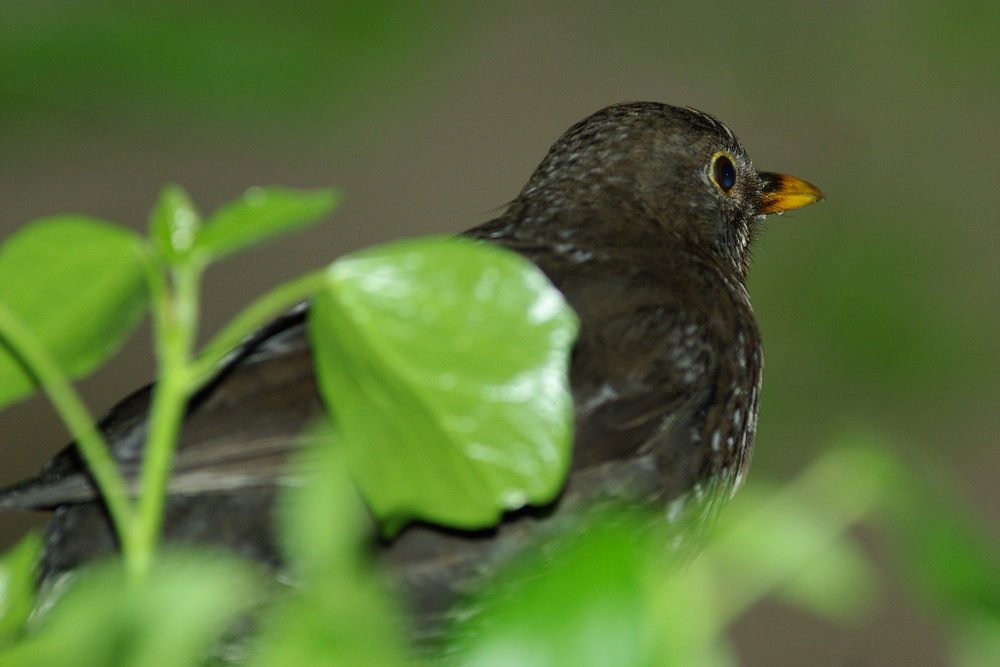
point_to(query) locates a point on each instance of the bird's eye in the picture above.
(723, 172)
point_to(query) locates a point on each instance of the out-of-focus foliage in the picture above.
(176, 228)
(598, 594)
(176, 617)
(259, 214)
(604, 594)
(337, 611)
(17, 587)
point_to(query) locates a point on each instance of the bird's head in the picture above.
(676, 169)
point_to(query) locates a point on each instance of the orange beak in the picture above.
(784, 193)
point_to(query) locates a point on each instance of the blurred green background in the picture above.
(880, 307)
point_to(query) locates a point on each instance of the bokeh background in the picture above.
(880, 308)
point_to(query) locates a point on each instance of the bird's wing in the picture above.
(641, 372)
(237, 432)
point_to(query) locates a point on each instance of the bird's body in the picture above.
(642, 215)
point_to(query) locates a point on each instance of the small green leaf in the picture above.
(78, 285)
(17, 586)
(174, 224)
(262, 213)
(444, 364)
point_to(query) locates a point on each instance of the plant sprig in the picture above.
(72, 289)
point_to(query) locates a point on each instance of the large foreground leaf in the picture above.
(444, 363)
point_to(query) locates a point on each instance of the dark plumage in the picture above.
(642, 215)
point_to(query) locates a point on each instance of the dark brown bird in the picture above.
(643, 216)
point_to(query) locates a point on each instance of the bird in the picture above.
(643, 215)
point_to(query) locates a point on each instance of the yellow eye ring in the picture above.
(723, 172)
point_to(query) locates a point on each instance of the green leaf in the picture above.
(799, 544)
(17, 586)
(262, 213)
(174, 617)
(338, 613)
(688, 617)
(322, 518)
(444, 364)
(598, 596)
(795, 540)
(174, 224)
(78, 285)
(582, 602)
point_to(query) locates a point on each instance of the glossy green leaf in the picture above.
(444, 364)
(78, 285)
(17, 586)
(262, 213)
(174, 224)
(176, 617)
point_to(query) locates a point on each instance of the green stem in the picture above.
(261, 311)
(175, 329)
(74, 413)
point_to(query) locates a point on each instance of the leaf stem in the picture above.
(262, 310)
(74, 413)
(175, 322)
